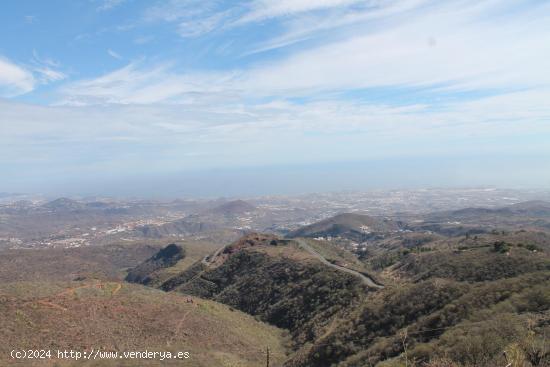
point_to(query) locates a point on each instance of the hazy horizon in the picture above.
(387, 174)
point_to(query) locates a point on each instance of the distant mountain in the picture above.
(235, 207)
(98, 205)
(9, 194)
(63, 204)
(533, 208)
(349, 225)
(179, 227)
(524, 209)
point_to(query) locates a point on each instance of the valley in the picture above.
(323, 285)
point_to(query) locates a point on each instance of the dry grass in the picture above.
(67, 264)
(126, 317)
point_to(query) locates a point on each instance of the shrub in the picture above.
(500, 247)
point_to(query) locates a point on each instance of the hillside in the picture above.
(106, 262)
(436, 302)
(349, 225)
(274, 280)
(235, 207)
(443, 298)
(532, 208)
(112, 316)
(145, 272)
(63, 204)
(175, 228)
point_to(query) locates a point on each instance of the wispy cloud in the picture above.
(265, 9)
(302, 17)
(30, 19)
(342, 21)
(141, 40)
(46, 69)
(47, 75)
(114, 54)
(193, 18)
(454, 46)
(136, 84)
(14, 79)
(109, 4)
(191, 27)
(447, 48)
(174, 10)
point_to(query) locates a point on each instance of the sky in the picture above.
(213, 97)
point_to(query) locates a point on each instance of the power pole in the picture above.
(267, 356)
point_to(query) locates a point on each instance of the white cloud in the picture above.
(161, 135)
(46, 69)
(198, 17)
(114, 54)
(48, 75)
(444, 48)
(338, 22)
(30, 19)
(264, 9)
(14, 79)
(193, 18)
(135, 84)
(459, 47)
(141, 40)
(197, 27)
(109, 4)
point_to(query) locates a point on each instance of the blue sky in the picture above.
(95, 92)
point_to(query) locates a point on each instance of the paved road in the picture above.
(367, 280)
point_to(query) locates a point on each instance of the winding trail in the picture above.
(178, 328)
(208, 259)
(367, 280)
(71, 291)
(51, 305)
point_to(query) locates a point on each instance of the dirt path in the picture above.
(51, 305)
(118, 287)
(367, 280)
(71, 291)
(177, 330)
